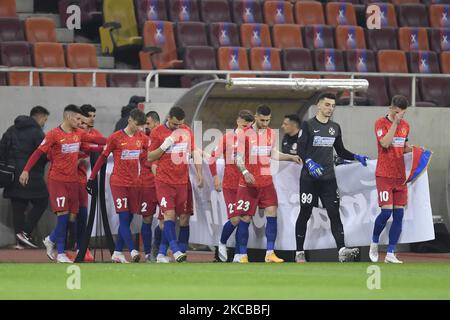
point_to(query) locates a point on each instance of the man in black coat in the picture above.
(24, 137)
(125, 112)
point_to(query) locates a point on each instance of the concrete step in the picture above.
(55, 17)
(105, 62)
(24, 6)
(64, 35)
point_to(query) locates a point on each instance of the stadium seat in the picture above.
(153, 10)
(83, 56)
(18, 54)
(361, 60)
(278, 12)
(232, 58)
(298, 59)
(440, 15)
(183, 10)
(318, 37)
(40, 30)
(445, 62)
(382, 39)
(91, 16)
(287, 36)
(329, 60)
(8, 8)
(394, 61)
(191, 33)
(215, 11)
(388, 15)
(440, 39)
(423, 62)
(123, 80)
(51, 55)
(402, 2)
(255, 35)
(198, 58)
(412, 39)
(265, 59)
(11, 29)
(309, 13)
(412, 15)
(350, 37)
(160, 51)
(340, 13)
(119, 34)
(224, 35)
(247, 11)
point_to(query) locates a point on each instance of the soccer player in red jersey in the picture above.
(126, 146)
(63, 146)
(256, 146)
(392, 140)
(227, 148)
(171, 145)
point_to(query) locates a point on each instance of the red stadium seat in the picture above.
(255, 35)
(11, 29)
(309, 13)
(8, 8)
(350, 37)
(287, 36)
(153, 10)
(40, 30)
(215, 11)
(247, 11)
(318, 37)
(18, 54)
(440, 39)
(341, 13)
(413, 39)
(440, 15)
(265, 59)
(51, 55)
(83, 56)
(278, 12)
(183, 10)
(191, 33)
(224, 34)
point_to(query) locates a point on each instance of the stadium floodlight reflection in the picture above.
(298, 84)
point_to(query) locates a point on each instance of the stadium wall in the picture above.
(429, 128)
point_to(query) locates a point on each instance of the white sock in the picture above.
(269, 252)
(297, 252)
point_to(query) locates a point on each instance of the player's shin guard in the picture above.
(61, 232)
(81, 225)
(124, 229)
(271, 232)
(380, 224)
(300, 226)
(227, 230)
(183, 238)
(243, 236)
(171, 236)
(146, 232)
(396, 228)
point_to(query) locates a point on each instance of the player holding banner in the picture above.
(171, 144)
(392, 141)
(257, 144)
(315, 147)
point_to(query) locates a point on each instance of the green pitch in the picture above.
(226, 281)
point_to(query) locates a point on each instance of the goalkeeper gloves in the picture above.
(314, 169)
(361, 158)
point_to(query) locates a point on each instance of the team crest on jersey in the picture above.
(332, 131)
(139, 143)
(404, 131)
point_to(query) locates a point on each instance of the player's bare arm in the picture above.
(240, 163)
(386, 141)
(197, 154)
(280, 156)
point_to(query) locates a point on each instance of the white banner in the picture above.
(359, 208)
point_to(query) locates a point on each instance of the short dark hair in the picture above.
(39, 110)
(326, 95)
(247, 115)
(263, 110)
(293, 117)
(72, 108)
(138, 116)
(399, 101)
(177, 112)
(136, 99)
(86, 108)
(154, 115)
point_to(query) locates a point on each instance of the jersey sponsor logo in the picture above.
(398, 142)
(323, 141)
(261, 150)
(332, 131)
(178, 148)
(130, 154)
(70, 147)
(380, 132)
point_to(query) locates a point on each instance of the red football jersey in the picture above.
(228, 148)
(258, 150)
(173, 164)
(146, 176)
(126, 152)
(390, 162)
(62, 148)
(83, 163)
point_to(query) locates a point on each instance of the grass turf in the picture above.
(225, 281)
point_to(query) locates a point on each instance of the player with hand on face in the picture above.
(126, 145)
(318, 180)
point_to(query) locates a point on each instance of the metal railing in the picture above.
(227, 74)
